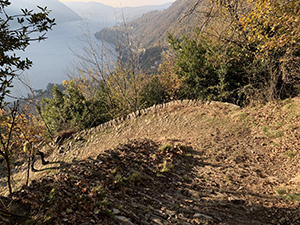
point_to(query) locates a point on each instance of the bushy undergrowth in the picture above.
(71, 109)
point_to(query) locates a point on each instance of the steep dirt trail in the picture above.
(227, 166)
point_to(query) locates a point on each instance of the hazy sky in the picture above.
(124, 3)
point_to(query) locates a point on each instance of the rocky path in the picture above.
(183, 165)
(143, 182)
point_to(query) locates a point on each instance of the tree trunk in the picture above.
(8, 174)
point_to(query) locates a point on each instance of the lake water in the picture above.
(52, 57)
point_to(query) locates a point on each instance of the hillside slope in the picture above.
(152, 28)
(59, 11)
(110, 15)
(180, 163)
(149, 32)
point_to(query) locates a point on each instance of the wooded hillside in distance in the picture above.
(150, 32)
(102, 13)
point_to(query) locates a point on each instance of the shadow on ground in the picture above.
(141, 183)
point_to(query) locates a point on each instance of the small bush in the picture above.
(289, 153)
(166, 147)
(289, 195)
(166, 166)
(70, 109)
(272, 133)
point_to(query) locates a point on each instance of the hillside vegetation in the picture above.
(233, 51)
(181, 163)
(149, 32)
(152, 28)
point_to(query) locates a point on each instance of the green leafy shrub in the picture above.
(209, 72)
(153, 93)
(166, 147)
(71, 109)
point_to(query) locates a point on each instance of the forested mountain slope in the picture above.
(149, 33)
(151, 29)
(111, 15)
(181, 163)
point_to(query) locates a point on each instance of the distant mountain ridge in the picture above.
(100, 12)
(151, 30)
(59, 11)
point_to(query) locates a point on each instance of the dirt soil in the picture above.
(210, 163)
